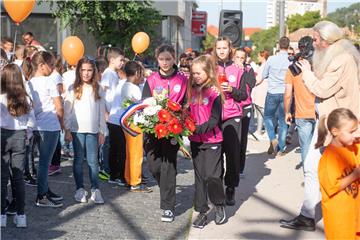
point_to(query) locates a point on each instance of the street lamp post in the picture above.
(281, 18)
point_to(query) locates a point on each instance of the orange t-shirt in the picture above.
(304, 99)
(341, 208)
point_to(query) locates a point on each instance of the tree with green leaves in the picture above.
(111, 22)
(297, 21)
(265, 40)
(347, 17)
(208, 42)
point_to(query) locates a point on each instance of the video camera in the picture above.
(306, 52)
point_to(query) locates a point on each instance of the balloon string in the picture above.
(135, 56)
(16, 28)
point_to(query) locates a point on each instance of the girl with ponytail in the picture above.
(49, 121)
(339, 174)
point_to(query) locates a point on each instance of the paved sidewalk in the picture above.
(271, 190)
(124, 215)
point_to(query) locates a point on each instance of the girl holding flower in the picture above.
(161, 153)
(204, 98)
(236, 93)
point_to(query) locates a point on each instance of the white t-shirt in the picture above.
(68, 79)
(19, 63)
(85, 115)
(109, 81)
(15, 123)
(43, 90)
(127, 91)
(56, 77)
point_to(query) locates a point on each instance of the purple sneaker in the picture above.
(53, 170)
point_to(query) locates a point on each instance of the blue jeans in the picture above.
(305, 128)
(104, 155)
(274, 103)
(47, 143)
(90, 143)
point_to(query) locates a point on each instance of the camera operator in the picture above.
(304, 99)
(335, 83)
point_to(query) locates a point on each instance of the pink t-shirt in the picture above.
(258, 93)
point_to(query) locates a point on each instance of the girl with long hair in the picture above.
(247, 82)
(85, 126)
(229, 76)
(258, 94)
(204, 98)
(162, 153)
(17, 116)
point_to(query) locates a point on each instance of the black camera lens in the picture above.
(295, 70)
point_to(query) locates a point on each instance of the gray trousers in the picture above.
(13, 158)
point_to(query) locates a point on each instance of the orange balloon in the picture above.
(19, 10)
(72, 49)
(140, 42)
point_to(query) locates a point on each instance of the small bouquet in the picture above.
(160, 116)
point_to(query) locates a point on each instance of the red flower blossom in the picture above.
(175, 126)
(164, 116)
(161, 130)
(190, 125)
(173, 106)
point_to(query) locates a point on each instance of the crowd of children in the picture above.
(45, 109)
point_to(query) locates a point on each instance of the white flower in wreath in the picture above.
(157, 108)
(150, 101)
(139, 119)
(151, 110)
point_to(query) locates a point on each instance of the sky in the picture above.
(254, 11)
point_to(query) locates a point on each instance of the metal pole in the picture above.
(240, 5)
(281, 18)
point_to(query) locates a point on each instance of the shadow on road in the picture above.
(124, 214)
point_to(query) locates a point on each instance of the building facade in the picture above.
(175, 27)
(293, 7)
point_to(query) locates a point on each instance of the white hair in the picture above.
(329, 31)
(338, 45)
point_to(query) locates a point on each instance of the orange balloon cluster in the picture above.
(140, 42)
(72, 49)
(19, 10)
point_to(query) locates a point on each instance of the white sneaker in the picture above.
(168, 216)
(80, 195)
(3, 220)
(96, 196)
(20, 221)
